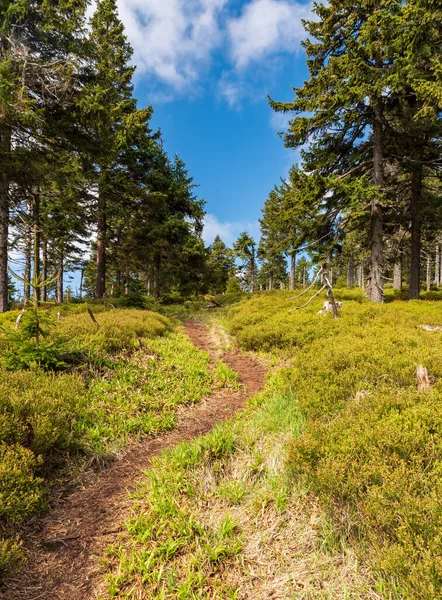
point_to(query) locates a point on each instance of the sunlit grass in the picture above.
(134, 371)
(329, 484)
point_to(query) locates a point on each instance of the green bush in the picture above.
(231, 298)
(40, 410)
(21, 492)
(371, 449)
(116, 330)
(10, 552)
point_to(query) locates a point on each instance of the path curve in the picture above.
(63, 549)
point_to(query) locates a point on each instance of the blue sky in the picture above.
(207, 66)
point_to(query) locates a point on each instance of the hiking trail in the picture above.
(63, 548)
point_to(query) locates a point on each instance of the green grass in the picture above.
(225, 377)
(371, 448)
(330, 485)
(219, 518)
(135, 369)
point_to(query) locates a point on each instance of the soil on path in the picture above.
(63, 549)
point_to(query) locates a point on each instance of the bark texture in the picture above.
(36, 257)
(397, 274)
(5, 149)
(60, 269)
(428, 274)
(292, 271)
(100, 282)
(252, 274)
(351, 272)
(375, 291)
(415, 213)
(28, 258)
(44, 266)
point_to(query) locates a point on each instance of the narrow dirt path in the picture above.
(63, 550)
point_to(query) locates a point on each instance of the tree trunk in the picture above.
(60, 269)
(428, 273)
(81, 283)
(28, 256)
(271, 282)
(156, 277)
(440, 266)
(415, 262)
(351, 272)
(292, 270)
(117, 280)
(100, 283)
(36, 257)
(375, 291)
(252, 274)
(437, 266)
(5, 149)
(361, 275)
(397, 274)
(44, 291)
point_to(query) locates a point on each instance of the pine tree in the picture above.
(117, 124)
(40, 48)
(245, 250)
(220, 266)
(350, 66)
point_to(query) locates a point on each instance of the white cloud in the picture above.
(267, 27)
(232, 89)
(279, 121)
(228, 230)
(172, 39)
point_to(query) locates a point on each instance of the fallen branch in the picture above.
(60, 541)
(331, 296)
(309, 287)
(431, 327)
(19, 318)
(312, 298)
(91, 314)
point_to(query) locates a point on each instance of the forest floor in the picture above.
(63, 548)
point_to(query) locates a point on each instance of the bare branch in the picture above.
(309, 287)
(312, 298)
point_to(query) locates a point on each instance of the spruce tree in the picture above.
(245, 250)
(116, 122)
(220, 266)
(349, 63)
(40, 62)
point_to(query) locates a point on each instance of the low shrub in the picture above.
(146, 371)
(10, 551)
(21, 491)
(39, 411)
(371, 449)
(116, 329)
(231, 298)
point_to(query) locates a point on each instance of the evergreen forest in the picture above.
(256, 417)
